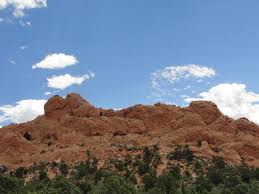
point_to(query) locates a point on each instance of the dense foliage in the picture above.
(185, 174)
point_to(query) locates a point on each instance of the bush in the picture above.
(82, 170)
(181, 153)
(187, 154)
(149, 182)
(59, 185)
(202, 185)
(20, 172)
(256, 174)
(245, 173)
(143, 168)
(114, 185)
(85, 187)
(10, 185)
(100, 174)
(218, 162)
(241, 189)
(119, 165)
(215, 176)
(168, 183)
(63, 168)
(148, 155)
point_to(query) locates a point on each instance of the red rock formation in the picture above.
(71, 125)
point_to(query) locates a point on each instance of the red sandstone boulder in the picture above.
(207, 110)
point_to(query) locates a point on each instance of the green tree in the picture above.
(114, 185)
(10, 185)
(149, 182)
(63, 168)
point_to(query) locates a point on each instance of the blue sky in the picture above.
(124, 42)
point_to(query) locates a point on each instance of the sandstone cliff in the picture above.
(71, 125)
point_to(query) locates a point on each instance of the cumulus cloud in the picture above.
(233, 100)
(20, 6)
(163, 81)
(22, 111)
(64, 81)
(56, 61)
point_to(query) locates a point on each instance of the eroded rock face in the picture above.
(207, 110)
(58, 107)
(71, 125)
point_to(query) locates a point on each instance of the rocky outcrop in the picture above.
(71, 125)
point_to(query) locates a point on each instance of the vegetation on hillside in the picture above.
(184, 174)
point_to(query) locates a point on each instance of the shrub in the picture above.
(168, 183)
(63, 168)
(82, 170)
(100, 174)
(143, 168)
(202, 184)
(181, 153)
(215, 176)
(256, 174)
(20, 172)
(148, 155)
(84, 186)
(119, 165)
(114, 185)
(43, 175)
(218, 162)
(59, 185)
(245, 173)
(197, 167)
(241, 189)
(10, 185)
(187, 154)
(149, 182)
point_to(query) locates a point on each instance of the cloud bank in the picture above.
(20, 6)
(22, 111)
(233, 100)
(56, 61)
(64, 81)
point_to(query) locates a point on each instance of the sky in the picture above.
(118, 53)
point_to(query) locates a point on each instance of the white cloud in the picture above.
(187, 87)
(13, 62)
(25, 23)
(22, 111)
(56, 61)
(64, 81)
(47, 93)
(1, 20)
(165, 82)
(23, 47)
(20, 6)
(233, 100)
(174, 73)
